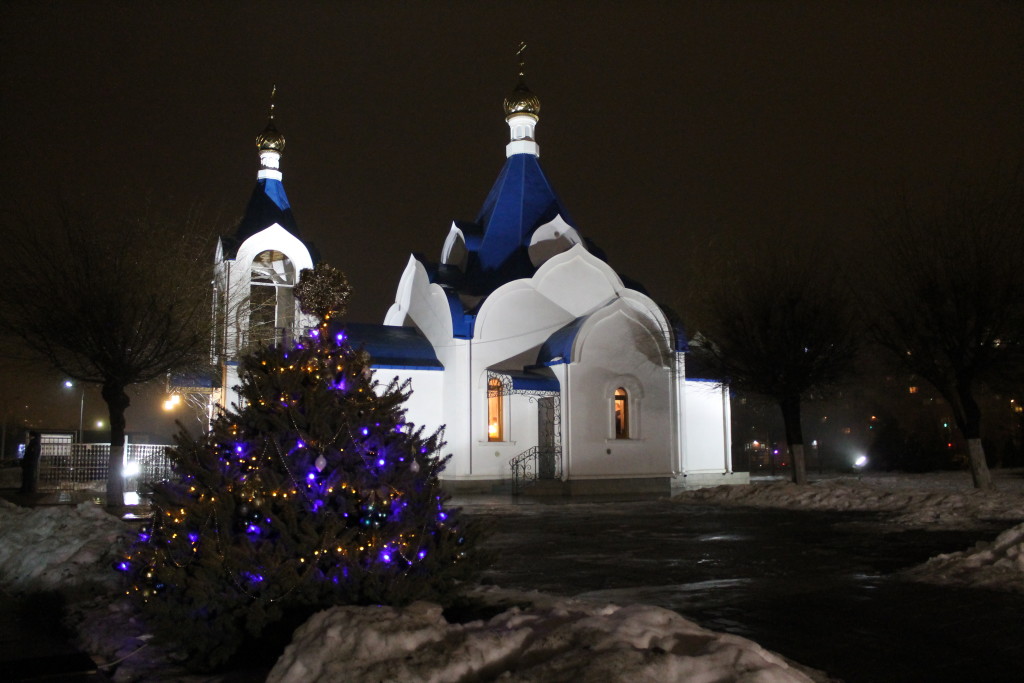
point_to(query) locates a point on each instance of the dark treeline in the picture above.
(909, 350)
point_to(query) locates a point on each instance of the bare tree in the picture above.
(113, 300)
(780, 326)
(948, 297)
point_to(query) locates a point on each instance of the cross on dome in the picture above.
(522, 100)
(271, 145)
(522, 109)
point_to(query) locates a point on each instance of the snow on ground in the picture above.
(999, 564)
(941, 499)
(58, 547)
(72, 549)
(556, 639)
(542, 638)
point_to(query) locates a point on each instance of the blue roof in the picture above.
(533, 382)
(267, 205)
(463, 321)
(521, 200)
(391, 346)
(497, 243)
(558, 347)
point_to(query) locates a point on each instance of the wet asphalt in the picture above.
(821, 588)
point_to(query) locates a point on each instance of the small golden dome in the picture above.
(522, 101)
(270, 139)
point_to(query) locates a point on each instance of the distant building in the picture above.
(545, 366)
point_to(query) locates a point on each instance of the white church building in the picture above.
(550, 374)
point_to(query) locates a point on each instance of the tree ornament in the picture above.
(321, 463)
(323, 291)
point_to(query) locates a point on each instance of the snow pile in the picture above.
(944, 499)
(59, 548)
(565, 640)
(999, 564)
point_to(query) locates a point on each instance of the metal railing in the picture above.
(84, 466)
(533, 465)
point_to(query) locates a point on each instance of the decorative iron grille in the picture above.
(534, 465)
(84, 466)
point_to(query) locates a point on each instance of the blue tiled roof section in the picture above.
(267, 205)
(390, 346)
(472, 233)
(528, 381)
(521, 200)
(558, 347)
(462, 322)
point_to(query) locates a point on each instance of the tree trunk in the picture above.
(971, 428)
(117, 403)
(979, 468)
(794, 437)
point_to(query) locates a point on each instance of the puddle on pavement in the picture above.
(818, 587)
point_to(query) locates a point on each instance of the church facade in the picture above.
(549, 372)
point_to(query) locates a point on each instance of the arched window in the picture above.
(495, 411)
(271, 302)
(620, 408)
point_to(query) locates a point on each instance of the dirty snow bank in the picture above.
(943, 499)
(999, 564)
(560, 641)
(59, 548)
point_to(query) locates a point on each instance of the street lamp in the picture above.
(68, 384)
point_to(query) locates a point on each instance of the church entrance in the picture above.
(547, 441)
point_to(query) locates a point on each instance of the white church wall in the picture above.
(458, 407)
(425, 406)
(273, 238)
(238, 273)
(577, 281)
(619, 350)
(706, 437)
(233, 278)
(423, 305)
(648, 309)
(552, 238)
(491, 458)
(514, 318)
(454, 251)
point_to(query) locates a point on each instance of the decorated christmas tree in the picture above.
(315, 492)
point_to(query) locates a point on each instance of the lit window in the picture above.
(912, 390)
(621, 407)
(495, 412)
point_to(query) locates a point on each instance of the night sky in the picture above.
(671, 130)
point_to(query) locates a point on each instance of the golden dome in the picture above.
(270, 139)
(522, 100)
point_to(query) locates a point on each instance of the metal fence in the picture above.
(65, 466)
